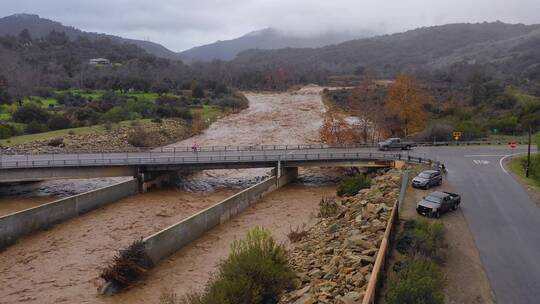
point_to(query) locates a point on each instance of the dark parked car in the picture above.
(427, 179)
(437, 203)
(395, 144)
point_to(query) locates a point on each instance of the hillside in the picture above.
(507, 48)
(266, 39)
(40, 27)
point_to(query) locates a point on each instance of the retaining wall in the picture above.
(18, 224)
(168, 241)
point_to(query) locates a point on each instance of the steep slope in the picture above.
(266, 39)
(39, 27)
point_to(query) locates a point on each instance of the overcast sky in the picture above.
(182, 24)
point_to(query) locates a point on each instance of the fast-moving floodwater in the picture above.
(61, 265)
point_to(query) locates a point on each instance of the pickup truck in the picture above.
(395, 143)
(427, 179)
(437, 203)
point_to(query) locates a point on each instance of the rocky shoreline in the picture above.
(148, 134)
(334, 262)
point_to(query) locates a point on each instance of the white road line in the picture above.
(480, 162)
(501, 163)
(492, 155)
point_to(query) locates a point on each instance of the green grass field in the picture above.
(16, 140)
(516, 167)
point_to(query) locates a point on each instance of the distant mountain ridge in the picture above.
(265, 39)
(506, 48)
(39, 27)
(223, 50)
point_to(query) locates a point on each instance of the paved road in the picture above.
(504, 220)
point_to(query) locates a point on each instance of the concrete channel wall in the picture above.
(18, 224)
(168, 241)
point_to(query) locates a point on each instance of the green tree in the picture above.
(197, 91)
(30, 112)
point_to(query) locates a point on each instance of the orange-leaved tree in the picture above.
(336, 131)
(197, 122)
(405, 103)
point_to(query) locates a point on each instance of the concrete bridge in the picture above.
(148, 165)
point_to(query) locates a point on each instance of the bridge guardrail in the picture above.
(158, 158)
(270, 147)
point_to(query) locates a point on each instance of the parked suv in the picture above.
(427, 179)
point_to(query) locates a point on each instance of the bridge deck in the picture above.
(36, 167)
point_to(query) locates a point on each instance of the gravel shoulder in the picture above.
(467, 281)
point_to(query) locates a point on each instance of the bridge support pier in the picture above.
(285, 174)
(149, 180)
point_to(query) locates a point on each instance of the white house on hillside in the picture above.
(99, 61)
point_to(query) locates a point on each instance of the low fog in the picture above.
(182, 24)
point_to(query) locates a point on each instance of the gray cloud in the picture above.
(181, 24)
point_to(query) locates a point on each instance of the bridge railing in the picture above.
(161, 158)
(244, 148)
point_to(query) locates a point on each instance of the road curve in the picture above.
(504, 220)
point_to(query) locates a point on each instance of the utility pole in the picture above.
(528, 153)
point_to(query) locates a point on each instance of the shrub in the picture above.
(419, 237)
(436, 132)
(352, 185)
(534, 168)
(86, 114)
(140, 137)
(108, 125)
(30, 112)
(116, 114)
(235, 104)
(327, 207)
(6, 131)
(71, 100)
(506, 125)
(418, 281)
(197, 91)
(470, 130)
(298, 234)
(56, 142)
(58, 122)
(128, 266)
(255, 272)
(35, 127)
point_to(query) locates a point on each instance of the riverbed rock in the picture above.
(334, 263)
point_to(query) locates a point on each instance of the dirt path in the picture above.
(61, 265)
(190, 268)
(467, 281)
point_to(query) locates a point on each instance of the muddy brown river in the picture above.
(61, 265)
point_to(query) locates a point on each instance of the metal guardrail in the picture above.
(161, 158)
